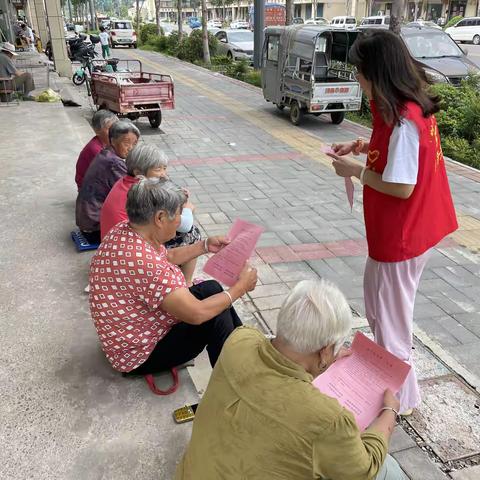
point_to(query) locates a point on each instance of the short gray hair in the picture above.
(122, 127)
(149, 196)
(144, 157)
(103, 117)
(314, 315)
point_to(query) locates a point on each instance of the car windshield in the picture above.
(237, 37)
(350, 21)
(435, 45)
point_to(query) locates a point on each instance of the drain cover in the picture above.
(448, 418)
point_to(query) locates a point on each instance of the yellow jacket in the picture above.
(262, 419)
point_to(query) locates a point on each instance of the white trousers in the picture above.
(390, 290)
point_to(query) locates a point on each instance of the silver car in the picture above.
(235, 44)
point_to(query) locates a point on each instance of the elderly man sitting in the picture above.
(146, 318)
(261, 418)
(107, 167)
(102, 120)
(23, 81)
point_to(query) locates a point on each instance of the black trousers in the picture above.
(184, 341)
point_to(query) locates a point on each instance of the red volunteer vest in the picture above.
(399, 229)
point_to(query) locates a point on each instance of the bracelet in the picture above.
(362, 175)
(397, 416)
(229, 296)
(205, 245)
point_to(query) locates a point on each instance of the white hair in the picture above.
(314, 315)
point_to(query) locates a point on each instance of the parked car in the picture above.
(122, 33)
(298, 21)
(317, 21)
(424, 24)
(194, 22)
(344, 23)
(240, 24)
(444, 60)
(235, 44)
(466, 30)
(169, 28)
(375, 21)
(214, 24)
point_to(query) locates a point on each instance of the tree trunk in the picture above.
(206, 48)
(289, 12)
(397, 15)
(179, 19)
(137, 14)
(157, 15)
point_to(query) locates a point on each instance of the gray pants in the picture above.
(391, 470)
(24, 83)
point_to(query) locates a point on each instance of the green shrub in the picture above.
(453, 21)
(254, 77)
(459, 149)
(191, 47)
(237, 69)
(221, 60)
(146, 31)
(158, 42)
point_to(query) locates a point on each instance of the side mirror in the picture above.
(223, 40)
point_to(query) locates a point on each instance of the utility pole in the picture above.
(288, 12)
(258, 36)
(206, 47)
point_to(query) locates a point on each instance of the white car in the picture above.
(344, 23)
(122, 33)
(317, 21)
(214, 24)
(466, 30)
(424, 24)
(375, 21)
(235, 44)
(240, 24)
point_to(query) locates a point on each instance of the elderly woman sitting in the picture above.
(146, 318)
(261, 418)
(150, 162)
(107, 167)
(102, 120)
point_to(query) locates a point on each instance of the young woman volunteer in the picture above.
(407, 202)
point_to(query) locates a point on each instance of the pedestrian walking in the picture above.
(105, 42)
(407, 203)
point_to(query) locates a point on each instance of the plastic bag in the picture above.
(48, 96)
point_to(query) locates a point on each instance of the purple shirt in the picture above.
(101, 176)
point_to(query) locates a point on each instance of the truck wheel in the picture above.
(296, 113)
(476, 40)
(78, 79)
(155, 119)
(337, 117)
(134, 45)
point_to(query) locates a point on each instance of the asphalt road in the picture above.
(473, 53)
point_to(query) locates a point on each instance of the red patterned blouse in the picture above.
(129, 279)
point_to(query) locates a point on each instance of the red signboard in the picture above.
(274, 15)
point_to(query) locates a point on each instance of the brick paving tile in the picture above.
(418, 466)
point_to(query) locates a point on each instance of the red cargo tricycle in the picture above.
(134, 93)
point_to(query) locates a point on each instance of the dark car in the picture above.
(444, 60)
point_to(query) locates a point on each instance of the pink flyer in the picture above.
(226, 265)
(359, 381)
(349, 188)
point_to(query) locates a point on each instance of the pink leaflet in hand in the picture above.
(359, 381)
(349, 188)
(226, 265)
(326, 149)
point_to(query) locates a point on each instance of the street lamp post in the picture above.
(258, 27)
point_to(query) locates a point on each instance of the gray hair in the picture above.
(144, 157)
(122, 127)
(101, 118)
(314, 315)
(149, 196)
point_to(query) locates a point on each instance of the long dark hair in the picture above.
(383, 59)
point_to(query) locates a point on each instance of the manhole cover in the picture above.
(448, 418)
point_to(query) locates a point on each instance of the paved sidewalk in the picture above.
(66, 412)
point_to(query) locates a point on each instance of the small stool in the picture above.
(81, 243)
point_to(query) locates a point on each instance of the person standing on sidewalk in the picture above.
(105, 42)
(407, 203)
